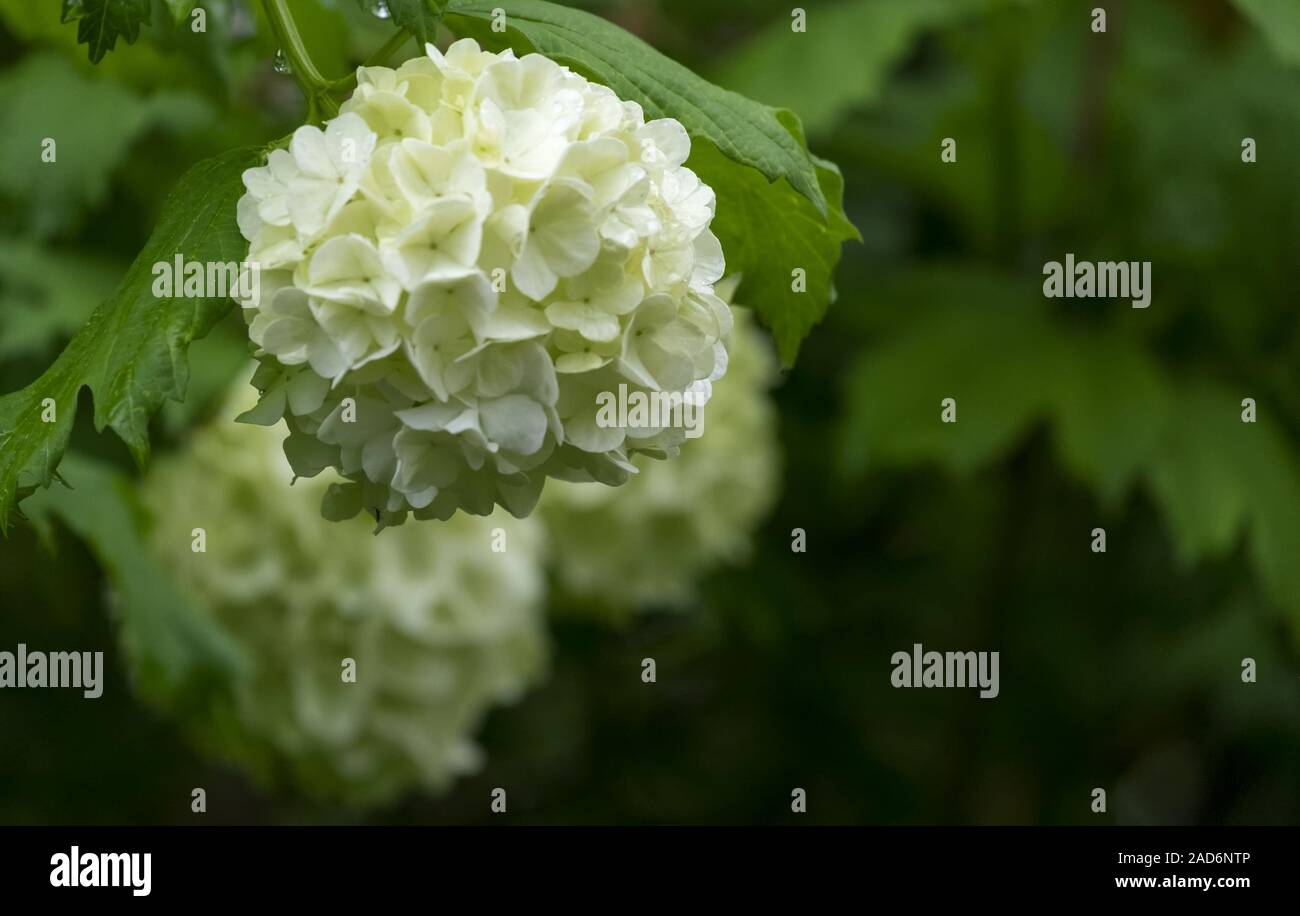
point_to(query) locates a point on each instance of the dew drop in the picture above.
(281, 63)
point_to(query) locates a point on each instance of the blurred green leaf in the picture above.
(991, 354)
(92, 124)
(1116, 417)
(213, 55)
(842, 60)
(45, 295)
(1217, 478)
(132, 352)
(101, 22)
(180, 9)
(175, 649)
(147, 67)
(1010, 174)
(1279, 22)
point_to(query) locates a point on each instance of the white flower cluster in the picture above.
(648, 543)
(459, 263)
(441, 627)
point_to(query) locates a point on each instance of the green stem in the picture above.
(380, 57)
(320, 105)
(389, 48)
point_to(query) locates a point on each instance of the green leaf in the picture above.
(175, 649)
(842, 60)
(1279, 22)
(743, 130)
(132, 352)
(894, 393)
(93, 124)
(767, 232)
(196, 61)
(216, 361)
(46, 295)
(779, 207)
(1218, 478)
(1105, 397)
(101, 22)
(419, 17)
(1116, 417)
(180, 9)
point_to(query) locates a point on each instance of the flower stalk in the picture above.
(379, 58)
(321, 105)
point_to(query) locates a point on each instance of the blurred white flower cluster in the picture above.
(441, 627)
(470, 252)
(648, 543)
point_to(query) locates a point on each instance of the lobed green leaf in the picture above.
(131, 354)
(768, 232)
(101, 22)
(1117, 418)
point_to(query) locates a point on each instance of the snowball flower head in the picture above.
(648, 544)
(440, 625)
(456, 266)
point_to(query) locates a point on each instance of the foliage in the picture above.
(101, 22)
(131, 354)
(419, 17)
(844, 57)
(45, 295)
(94, 125)
(779, 233)
(176, 651)
(1279, 22)
(1117, 417)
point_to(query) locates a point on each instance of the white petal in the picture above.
(664, 143)
(515, 422)
(531, 274)
(591, 321)
(311, 153)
